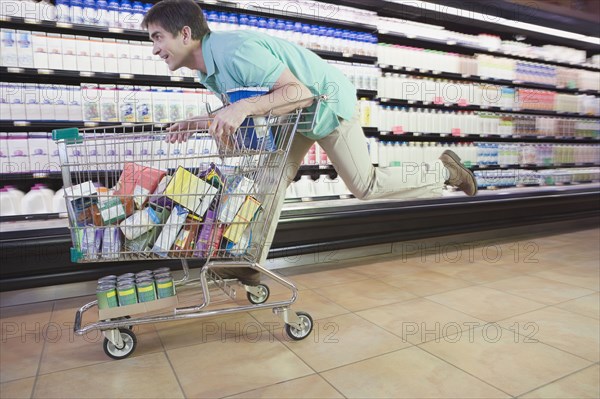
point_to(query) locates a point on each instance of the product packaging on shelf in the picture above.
(8, 48)
(190, 191)
(69, 50)
(123, 57)
(38, 151)
(24, 49)
(242, 219)
(144, 105)
(138, 181)
(54, 43)
(109, 101)
(97, 54)
(40, 50)
(84, 55)
(169, 233)
(127, 103)
(110, 55)
(18, 151)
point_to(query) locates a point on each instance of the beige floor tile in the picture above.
(327, 277)
(217, 369)
(148, 376)
(63, 314)
(579, 335)
(364, 294)
(308, 301)
(485, 303)
(588, 305)
(18, 389)
(420, 320)
(65, 350)
(408, 373)
(583, 384)
(539, 289)
(313, 386)
(574, 276)
(341, 340)
(425, 282)
(505, 360)
(27, 320)
(20, 357)
(389, 267)
(237, 326)
(478, 273)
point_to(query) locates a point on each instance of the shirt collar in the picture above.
(209, 61)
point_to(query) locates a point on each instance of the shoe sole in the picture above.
(456, 159)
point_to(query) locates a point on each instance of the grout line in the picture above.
(43, 352)
(464, 371)
(559, 378)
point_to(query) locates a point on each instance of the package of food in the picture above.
(186, 239)
(139, 223)
(111, 242)
(236, 191)
(190, 191)
(143, 244)
(169, 233)
(242, 220)
(205, 234)
(138, 181)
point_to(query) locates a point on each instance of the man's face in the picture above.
(171, 49)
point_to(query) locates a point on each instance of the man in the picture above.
(294, 76)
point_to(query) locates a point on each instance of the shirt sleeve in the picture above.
(256, 66)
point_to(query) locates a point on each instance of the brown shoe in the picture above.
(246, 275)
(460, 176)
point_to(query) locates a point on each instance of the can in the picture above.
(165, 287)
(144, 274)
(161, 270)
(125, 276)
(112, 278)
(107, 296)
(146, 290)
(162, 275)
(127, 294)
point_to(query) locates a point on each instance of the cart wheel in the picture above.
(129, 344)
(307, 325)
(260, 298)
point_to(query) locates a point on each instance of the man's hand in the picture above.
(180, 131)
(227, 121)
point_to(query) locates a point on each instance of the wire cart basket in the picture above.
(133, 195)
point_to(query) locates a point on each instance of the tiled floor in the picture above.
(516, 318)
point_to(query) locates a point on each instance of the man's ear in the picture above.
(186, 33)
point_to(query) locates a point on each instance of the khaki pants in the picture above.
(347, 149)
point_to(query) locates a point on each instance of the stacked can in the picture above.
(165, 286)
(126, 289)
(144, 282)
(106, 292)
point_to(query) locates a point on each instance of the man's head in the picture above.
(175, 26)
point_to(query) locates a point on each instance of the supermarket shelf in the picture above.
(310, 227)
(480, 79)
(449, 46)
(456, 107)
(35, 75)
(73, 29)
(48, 126)
(292, 13)
(411, 136)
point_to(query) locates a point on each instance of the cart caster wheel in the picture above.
(260, 298)
(301, 333)
(129, 344)
(124, 318)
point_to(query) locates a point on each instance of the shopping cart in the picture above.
(132, 195)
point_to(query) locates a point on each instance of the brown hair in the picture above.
(173, 15)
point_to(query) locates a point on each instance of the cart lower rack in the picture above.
(132, 194)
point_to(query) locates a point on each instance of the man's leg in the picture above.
(346, 147)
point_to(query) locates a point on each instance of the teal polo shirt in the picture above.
(236, 59)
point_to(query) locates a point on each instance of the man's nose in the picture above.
(155, 50)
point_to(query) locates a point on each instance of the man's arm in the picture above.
(288, 94)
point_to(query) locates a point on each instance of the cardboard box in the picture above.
(190, 191)
(242, 220)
